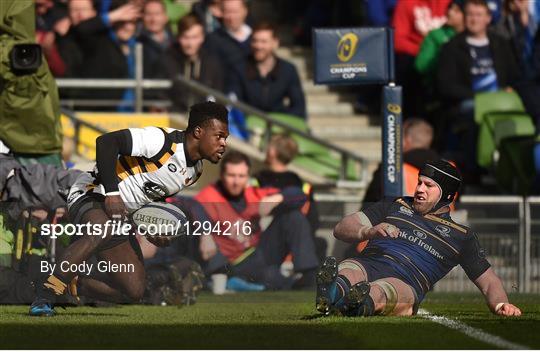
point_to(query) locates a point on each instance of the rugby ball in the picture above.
(160, 219)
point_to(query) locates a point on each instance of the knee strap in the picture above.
(352, 265)
(391, 296)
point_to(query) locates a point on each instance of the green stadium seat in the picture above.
(312, 156)
(499, 115)
(327, 166)
(175, 11)
(515, 171)
(316, 166)
(291, 120)
(496, 102)
(257, 126)
(496, 126)
(518, 125)
(255, 122)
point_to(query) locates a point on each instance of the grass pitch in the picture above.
(264, 320)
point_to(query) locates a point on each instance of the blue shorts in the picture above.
(379, 268)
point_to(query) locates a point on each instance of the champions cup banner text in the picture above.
(353, 55)
(392, 162)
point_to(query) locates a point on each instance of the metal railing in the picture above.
(505, 230)
(78, 123)
(139, 84)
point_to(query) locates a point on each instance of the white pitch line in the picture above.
(475, 333)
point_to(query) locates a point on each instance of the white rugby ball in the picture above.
(160, 219)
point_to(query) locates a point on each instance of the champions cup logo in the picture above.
(347, 47)
(394, 108)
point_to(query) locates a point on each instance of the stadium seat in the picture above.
(499, 115)
(496, 102)
(519, 125)
(311, 155)
(515, 171)
(327, 166)
(257, 126)
(497, 126)
(175, 11)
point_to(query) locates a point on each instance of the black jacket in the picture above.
(71, 53)
(454, 81)
(230, 51)
(208, 71)
(97, 56)
(152, 52)
(269, 93)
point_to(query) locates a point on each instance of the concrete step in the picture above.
(311, 88)
(329, 98)
(331, 109)
(293, 52)
(345, 132)
(323, 122)
(371, 155)
(302, 65)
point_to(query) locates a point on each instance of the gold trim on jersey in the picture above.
(426, 231)
(395, 260)
(445, 222)
(121, 171)
(167, 154)
(402, 202)
(132, 165)
(417, 269)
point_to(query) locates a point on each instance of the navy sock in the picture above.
(341, 289)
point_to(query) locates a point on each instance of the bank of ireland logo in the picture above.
(443, 230)
(347, 46)
(420, 234)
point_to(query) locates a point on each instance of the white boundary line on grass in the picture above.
(475, 333)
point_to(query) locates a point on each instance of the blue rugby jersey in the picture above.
(428, 246)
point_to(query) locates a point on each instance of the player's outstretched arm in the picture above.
(491, 287)
(357, 227)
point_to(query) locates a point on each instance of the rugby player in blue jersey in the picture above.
(413, 243)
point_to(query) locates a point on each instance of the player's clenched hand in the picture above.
(115, 207)
(383, 229)
(508, 310)
(207, 247)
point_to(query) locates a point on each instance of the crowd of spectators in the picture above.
(447, 51)
(211, 44)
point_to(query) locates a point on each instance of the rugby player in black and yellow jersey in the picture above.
(412, 244)
(133, 167)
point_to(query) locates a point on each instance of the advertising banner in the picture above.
(353, 55)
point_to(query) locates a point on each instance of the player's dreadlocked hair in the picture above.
(201, 113)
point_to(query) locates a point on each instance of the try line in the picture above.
(475, 333)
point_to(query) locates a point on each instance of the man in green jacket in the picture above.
(427, 58)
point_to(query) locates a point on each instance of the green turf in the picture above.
(263, 320)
